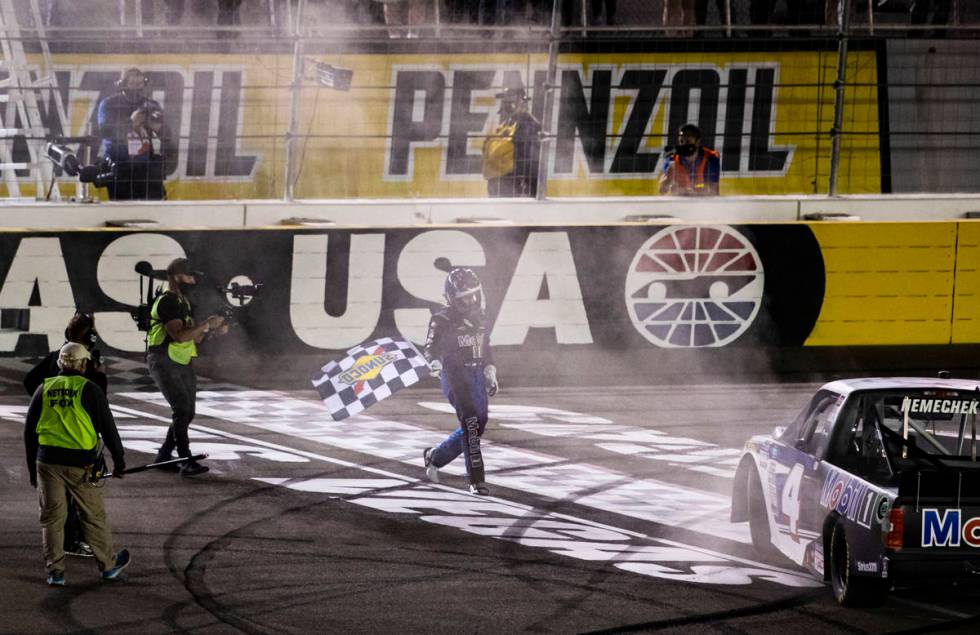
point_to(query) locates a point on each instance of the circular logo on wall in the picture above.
(691, 287)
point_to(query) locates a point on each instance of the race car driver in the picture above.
(458, 352)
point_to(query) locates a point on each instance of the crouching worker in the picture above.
(459, 354)
(67, 415)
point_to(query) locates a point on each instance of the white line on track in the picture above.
(765, 571)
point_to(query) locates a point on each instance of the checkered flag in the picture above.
(369, 373)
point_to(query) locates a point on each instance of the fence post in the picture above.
(554, 34)
(294, 92)
(835, 132)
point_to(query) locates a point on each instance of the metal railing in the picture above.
(296, 29)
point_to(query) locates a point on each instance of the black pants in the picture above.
(178, 383)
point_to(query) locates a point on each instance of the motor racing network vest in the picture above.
(64, 423)
(180, 352)
(695, 181)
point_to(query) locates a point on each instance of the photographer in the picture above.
(81, 330)
(692, 169)
(510, 153)
(137, 146)
(172, 345)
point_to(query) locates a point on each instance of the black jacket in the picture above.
(48, 367)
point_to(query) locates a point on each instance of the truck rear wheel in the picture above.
(852, 590)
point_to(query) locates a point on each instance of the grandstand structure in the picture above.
(861, 99)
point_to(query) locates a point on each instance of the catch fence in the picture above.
(314, 100)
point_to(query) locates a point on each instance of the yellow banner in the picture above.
(412, 125)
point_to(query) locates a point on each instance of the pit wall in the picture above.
(598, 304)
(427, 212)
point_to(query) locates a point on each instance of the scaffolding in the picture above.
(22, 88)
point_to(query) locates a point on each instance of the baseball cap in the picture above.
(514, 92)
(182, 266)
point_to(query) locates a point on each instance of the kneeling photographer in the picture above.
(171, 347)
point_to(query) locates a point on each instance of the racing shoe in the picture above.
(431, 471)
(480, 489)
(193, 468)
(56, 579)
(121, 561)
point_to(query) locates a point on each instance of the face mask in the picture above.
(687, 149)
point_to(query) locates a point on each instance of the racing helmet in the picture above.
(464, 292)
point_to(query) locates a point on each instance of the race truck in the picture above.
(876, 481)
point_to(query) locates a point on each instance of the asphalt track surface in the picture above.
(608, 513)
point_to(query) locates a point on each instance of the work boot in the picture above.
(160, 458)
(193, 468)
(80, 549)
(431, 471)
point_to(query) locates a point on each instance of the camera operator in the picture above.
(172, 345)
(136, 144)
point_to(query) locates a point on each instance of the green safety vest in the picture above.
(64, 423)
(180, 352)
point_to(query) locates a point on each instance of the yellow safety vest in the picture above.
(64, 423)
(180, 352)
(498, 151)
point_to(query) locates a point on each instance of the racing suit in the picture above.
(460, 343)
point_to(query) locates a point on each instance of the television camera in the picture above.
(66, 162)
(239, 292)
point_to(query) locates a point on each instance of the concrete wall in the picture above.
(400, 213)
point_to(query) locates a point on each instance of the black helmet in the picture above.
(464, 292)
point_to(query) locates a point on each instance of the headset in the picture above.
(121, 82)
(86, 322)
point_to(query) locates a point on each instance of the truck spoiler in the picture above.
(939, 486)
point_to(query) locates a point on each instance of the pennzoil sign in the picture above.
(413, 124)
